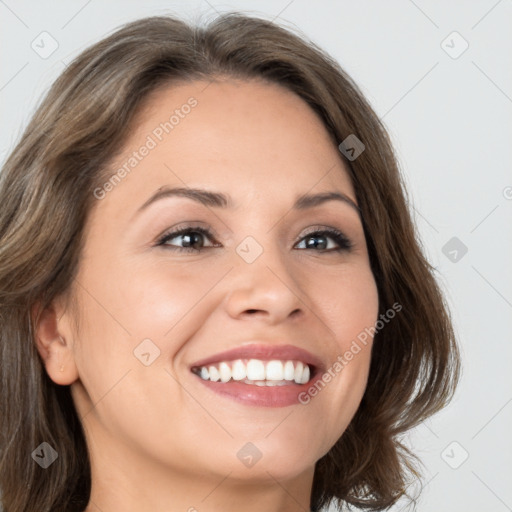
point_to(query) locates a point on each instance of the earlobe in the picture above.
(55, 350)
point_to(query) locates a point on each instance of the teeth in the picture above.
(305, 374)
(297, 376)
(274, 370)
(214, 373)
(239, 372)
(257, 372)
(289, 370)
(266, 383)
(225, 372)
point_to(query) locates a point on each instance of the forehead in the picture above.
(246, 137)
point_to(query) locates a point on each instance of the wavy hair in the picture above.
(46, 194)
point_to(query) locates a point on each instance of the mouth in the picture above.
(256, 372)
(261, 375)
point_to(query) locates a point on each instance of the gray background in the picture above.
(449, 115)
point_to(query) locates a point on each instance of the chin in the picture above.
(276, 457)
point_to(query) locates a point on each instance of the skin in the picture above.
(159, 439)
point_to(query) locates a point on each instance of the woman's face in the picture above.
(160, 312)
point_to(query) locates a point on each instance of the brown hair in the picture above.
(46, 192)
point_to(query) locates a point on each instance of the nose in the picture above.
(264, 290)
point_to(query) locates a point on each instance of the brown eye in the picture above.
(320, 240)
(193, 239)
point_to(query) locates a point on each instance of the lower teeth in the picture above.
(267, 382)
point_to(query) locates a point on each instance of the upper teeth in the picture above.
(253, 371)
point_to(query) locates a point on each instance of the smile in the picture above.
(259, 374)
(256, 372)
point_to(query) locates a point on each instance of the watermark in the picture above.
(343, 359)
(454, 45)
(507, 193)
(249, 249)
(45, 45)
(152, 141)
(455, 249)
(351, 147)
(454, 455)
(146, 352)
(45, 455)
(249, 455)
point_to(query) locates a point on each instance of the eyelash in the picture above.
(343, 242)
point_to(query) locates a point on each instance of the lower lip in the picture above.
(262, 396)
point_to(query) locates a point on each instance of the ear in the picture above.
(54, 343)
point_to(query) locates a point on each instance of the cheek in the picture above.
(348, 306)
(146, 300)
(347, 303)
(124, 306)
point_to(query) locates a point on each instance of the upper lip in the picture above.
(264, 352)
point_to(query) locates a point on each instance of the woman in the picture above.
(212, 295)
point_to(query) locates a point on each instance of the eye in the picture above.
(320, 240)
(193, 239)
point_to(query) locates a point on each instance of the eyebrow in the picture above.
(219, 200)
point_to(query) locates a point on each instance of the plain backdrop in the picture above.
(438, 73)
